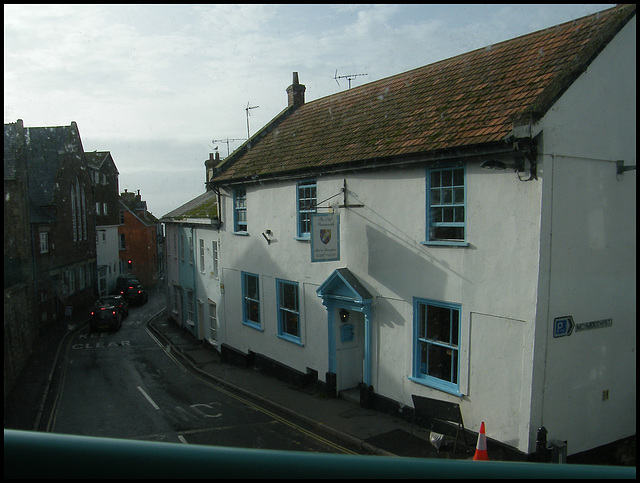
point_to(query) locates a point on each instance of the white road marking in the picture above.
(148, 398)
(182, 440)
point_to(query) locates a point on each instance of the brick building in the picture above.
(50, 246)
(139, 237)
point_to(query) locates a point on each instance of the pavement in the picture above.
(373, 431)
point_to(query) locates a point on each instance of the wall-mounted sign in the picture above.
(563, 326)
(325, 237)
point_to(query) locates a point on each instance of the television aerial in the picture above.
(349, 77)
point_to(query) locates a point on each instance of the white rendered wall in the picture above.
(590, 271)
(494, 280)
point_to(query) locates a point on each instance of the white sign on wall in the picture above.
(325, 237)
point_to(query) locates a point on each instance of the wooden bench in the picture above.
(432, 409)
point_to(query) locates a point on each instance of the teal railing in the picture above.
(46, 455)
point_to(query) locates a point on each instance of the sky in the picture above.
(161, 86)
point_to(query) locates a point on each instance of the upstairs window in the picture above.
(307, 202)
(240, 210)
(201, 255)
(44, 242)
(446, 206)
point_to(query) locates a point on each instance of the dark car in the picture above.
(118, 301)
(105, 316)
(133, 291)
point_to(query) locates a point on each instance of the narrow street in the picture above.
(124, 385)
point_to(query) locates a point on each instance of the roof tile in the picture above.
(466, 100)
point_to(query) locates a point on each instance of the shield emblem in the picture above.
(325, 236)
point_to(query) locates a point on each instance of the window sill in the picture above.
(445, 243)
(290, 338)
(240, 233)
(303, 238)
(436, 385)
(252, 325)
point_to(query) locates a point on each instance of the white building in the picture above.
(465, 231)
(192, 274)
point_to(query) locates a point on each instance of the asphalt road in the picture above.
(124, 385)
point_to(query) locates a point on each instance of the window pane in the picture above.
(439, 362)
(435, 179)
(252, 287)
(435, 196)
(458, 177)
(289, 296)
(447, 178)
(447, 233)
(291, 323)
(253, 311)
(422, 321)
(438, 323)
(447, 196)
(455, 317)
(447, 215)
(459, 215)
(458, 195)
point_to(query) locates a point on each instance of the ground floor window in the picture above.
(288, 310)
(251, 300)
(436, 344)
(213, 323)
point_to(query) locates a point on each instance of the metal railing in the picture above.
(46, 455)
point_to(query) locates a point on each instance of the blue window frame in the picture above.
(251, 300)
(288, 310)
(240, 210)
(307, 201)
(436, 356)
(446, 206)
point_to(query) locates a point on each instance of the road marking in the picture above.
(182, 440)
(148, 398)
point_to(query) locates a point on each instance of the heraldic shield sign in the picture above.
(325, 237)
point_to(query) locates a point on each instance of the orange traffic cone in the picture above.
(481, 447)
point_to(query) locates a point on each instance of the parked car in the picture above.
(118, 301)
(105, 316)
(133, 291)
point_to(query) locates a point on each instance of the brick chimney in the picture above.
(295, 92)
(209, 165)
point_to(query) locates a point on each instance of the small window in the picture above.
(446, 206)
(122, 217)
(190, 308)
(44, 242)
(240, 210)
(104, 208)
(307, 202)
(97, 208)
(251, 300)
(214, 258)
(201, 255)
(436, 344)
(213, 323)
(123, 244)
(288, 310)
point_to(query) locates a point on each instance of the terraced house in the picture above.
(464, 231)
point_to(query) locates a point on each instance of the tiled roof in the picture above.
(468, 100)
